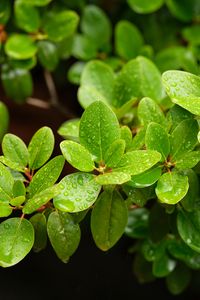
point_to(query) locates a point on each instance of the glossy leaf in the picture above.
(96, 25)
(19, 188)
(48, 55)
(65, 22)
(138, 78)
(40, 227)
(99, 77)
(163, 265)
(149, 111)
(83, 48)
(16, 240)
(188, 160)
(112, 208)
(40, 199)
(77, 155)
(27, 16)
(128, 40)
(20, 46)
(188, 224)
(137, 226)
(17, 83)
(64, 234)
(46, 176)
(4, 117)
(138, 140)
(157, 139)
(79, 192)
(12, 165)
(172, 187)
(126, 135)
(183, 138)
(37, 2)
(191, 200)
(145, 6)
(99, 128)
(6, 184)
(138, 161)
(183, 89)
(5, 210)
(146, 179)
(75, 72)
(15, 150)
(70, 130)
(114, 153)
(183, 10)
(40, 147)
(113, 178)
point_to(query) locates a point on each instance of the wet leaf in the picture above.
(5, 210)
(113, 178)
(64, 234)
(40, 147)
(4, 117)
(15, 150)
(146, 179)
(112, 209)
(114, 153)
(48, 55)
(46, 176)
(16, 241)
(79, 192)
(70, 130)
(77, 155)
(137, 226)
(99, 128)
(40, 227)
(188, 160)
(145, 6)
(172, 187)
(6, 184)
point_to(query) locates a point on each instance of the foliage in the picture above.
(136, 147)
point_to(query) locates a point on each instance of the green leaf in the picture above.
(114, 153)
(137, 226)
(142, 269)
(178, 280)
(138, 140)
(17, 201)
(138, 78)
(149, 111)
(146, 179)
(183, 89)
(128, 40)
(6, 184)
(4, 117)
(75, 72)
(96, 25)
(15, 150)
(183, 10)
(70, 130)
(158, 223)
(126, 135)
(12, 165)
(27, 16)
(191, 200)
(135, 196)
(163, 265)
(40, 147)
(188, 160)
(20, 46)
(46, 176)
(176, 115)
(19, 188)
(183, 138)
(40, 199)
(157, 139)
(145, 6)
(191, 34)
(77, 155)
(113, 178)
(188, 224)
(5, 210)
(17, 83)
(25, 64)
(64, 234)
(40, 227)
(83, 48)
(5, 10)
(138, 161)
(172, 187)
(60, 25)
(149, 250)
(111, 208)
(37, 2)
(99, 128)
(98, 77)
(48, 55)
(79, 192)
(16, 241)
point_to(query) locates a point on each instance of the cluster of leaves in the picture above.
(136, 147)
